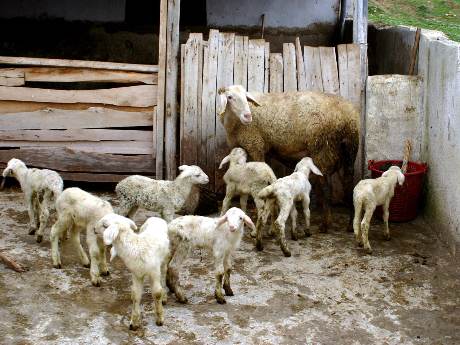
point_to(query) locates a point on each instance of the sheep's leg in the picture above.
(227, 271)
(219, 269)
(136, 295)
(75, 239)
(348, 186)
(272, 208)
(102, 259)
(386, 215)
(226, 203)
(262, 215)
(244, 202)
(37, 207)
(31, 211)
(63, 223)
(172, 276)
(168, 215)
(94, 255)
(280, 225)
(306, 213)
(44, 214)
(164, 269)
(126, 208)
(323, 197)
(365, 223)
(356, 222)
(293, 216)
(157, 294)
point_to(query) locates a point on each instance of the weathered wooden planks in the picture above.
(349, 73)
(276, 72)
(312, 64)
(256, 63)
(266, 67)
(135, 96)
(301, 80)
(70, 119)
(290, 73)
(11, 60)
(329, 70)
(7, 81)
(241, 60)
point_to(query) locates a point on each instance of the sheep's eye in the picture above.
(230, 97)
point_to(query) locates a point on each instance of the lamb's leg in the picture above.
(306, 213)
(132, 212)
(172, 276)
(227, 271)
(75, 239)
(226, 203)
(94, 255)
(31, 211)
(157, 294)
(386, 215)
(293, 216)
(273, 211)
(102, 258)
(126, 208)
(164, 269)
(244, 202)
(365, 223)
(219, 269)
(323, 197)
(280, 223)
(356, 222)
(262, 215)
(44, 214)
(63, 223)
(136, 295)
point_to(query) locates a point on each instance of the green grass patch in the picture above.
(441, 15)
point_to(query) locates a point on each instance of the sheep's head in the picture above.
(13, 165)
(196, 175)
(396, 171)
(235, 98)
(238, 156)
(108, 227)
(235, 218)
(306, 165)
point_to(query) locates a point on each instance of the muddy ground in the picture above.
(328, 292)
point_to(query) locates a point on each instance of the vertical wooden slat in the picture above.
(301, 81)
(290, 74)
(201, 151)
(159, 135)
(276, 72)
(182, 78)
(312, 64)
(349, 72)
(172, 52)
(329, 70)
(241, 61)
(225, 63)
(342, 60)
(256, 73)
(208, 103)
(266, 66)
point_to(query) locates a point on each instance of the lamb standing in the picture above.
(221, 236)
(78, 210)
(41, 188)
(168, 198)
(145, 254)
(294, 125)
(287, 191)
(367, 195)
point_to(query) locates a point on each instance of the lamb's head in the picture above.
(13, 165)
(235, 218)
(306, 165)
(235, 99)
(396, 171)
(108, 227)
(194, 173)
(237, 156)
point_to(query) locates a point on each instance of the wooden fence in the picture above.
(90, 121)
(227, 59)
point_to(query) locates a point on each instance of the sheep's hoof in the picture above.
(39, 238)
(253, 234)
(387, 237)
(368, 251)
(259, 246)
(58, 266)
(182, 300)
(105, 274)
(294, 237)
(159, 322)
(86, 265)
(323, 229)
(360, 244)
(96, 283)
(228, 291)
(307, 233)
(286, 252)
(32, 231)
(220, 299)
(133, 327)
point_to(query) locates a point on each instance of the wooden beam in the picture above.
(276, 72)
(256, 61)
(241, 60)
(134, 96)
(12, 60)
(312, 64)
(414, 52)
(290, 73)
(5, 81)
(266, 67)
(301, 79)
(75, 135)
(329, 71)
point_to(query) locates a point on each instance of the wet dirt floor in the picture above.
(328, 292)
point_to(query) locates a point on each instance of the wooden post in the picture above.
(360, 38)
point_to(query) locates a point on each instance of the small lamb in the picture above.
(369, 194)
(168, 198)
(246, 178)
(221, 236)
(287, 191)
(145, 254)
(78, 210)
(41, 188)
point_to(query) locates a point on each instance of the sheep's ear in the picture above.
(249, 222)
(224, 161)
(132, 225)
(401, 178)
(221, 103)
(182, 167)
(252, 99)
(3, 183)
(385, 173)
(113, 253)
(105, 223)
(110, 234)
(221, 221)
(315, 169)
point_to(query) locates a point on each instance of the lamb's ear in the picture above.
(221, 221)
(221, 103)
(113, 253)
(252, 99)
(110, 234)
(385, 173)
(3, 183)
(401, 178)
(132, 225)
(224, 161)
(315, 169)
(182, 167)
(249, 222)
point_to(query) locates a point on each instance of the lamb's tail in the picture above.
(267, 192)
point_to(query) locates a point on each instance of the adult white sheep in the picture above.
(286, 191)
(221, 236)
(145, 254)
(246, 178)
(78, 210)
(293, 125)
(367, 195)
(41, 188)
(168, 198)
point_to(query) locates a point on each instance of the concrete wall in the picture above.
(92, 10)
(278, 13)
(394, 114)
(439, 65)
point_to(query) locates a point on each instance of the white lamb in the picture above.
(145, 254)
(286, 191)
(168, 198)
(367, 195)
(41, 188)
(246, 178)
(221, 236)
(78, 210)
